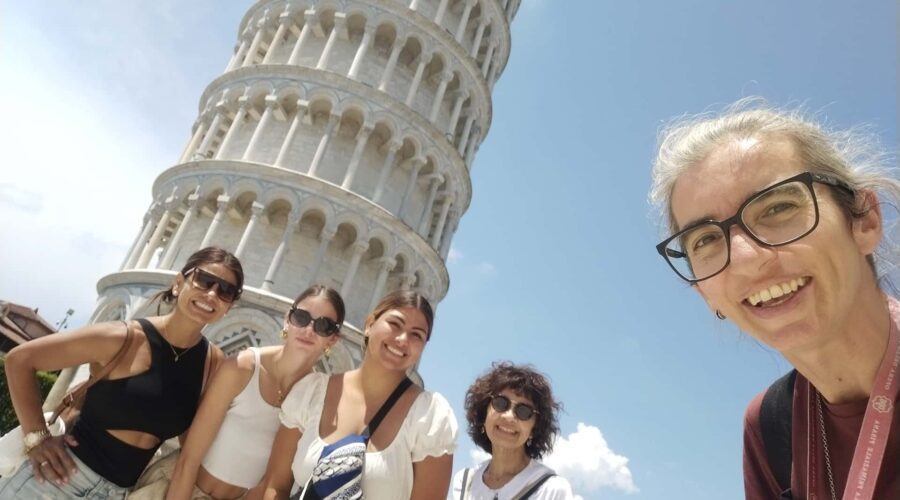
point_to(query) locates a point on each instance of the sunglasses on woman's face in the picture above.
(522, 411)
(202, 280)
(324, 327)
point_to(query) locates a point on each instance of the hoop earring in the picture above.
(284, 333)
(720, 315)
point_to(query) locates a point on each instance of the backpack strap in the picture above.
(775, 419)
(386, 407)
(466, 488)
(532, 488)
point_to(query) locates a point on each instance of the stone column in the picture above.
(473, 143)
(210, 133)
(414, 5)
(399, 43)
(150, 219)
(339, 19)
(424, 220)
(359, 248)
(442, 220)
(478, 34)
(292, 131)
(238, 55)
(406, 280)
(310, 17)
(283, 21)
(448, 235)
(235, 124)
(461, 97)
(487, 57)
(157, 237)
(222, 204)
(361, 138)
(175, 243)
(424, 59)
(325, 238)
(442, 9)
(446, 76)
(393, 147)
(254, 45)
(323, 144)
(464, 20)
(385, 264)
(271, 105)
(360, 56)
(256, 209)
(417, 164)
(464, 138)
(195, 139)
(289, 229)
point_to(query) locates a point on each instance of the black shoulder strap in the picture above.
(532, 488)
(775, 417)
(386, 407)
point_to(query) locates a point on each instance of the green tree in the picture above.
(7, 413)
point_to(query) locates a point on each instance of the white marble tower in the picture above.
(335, 148)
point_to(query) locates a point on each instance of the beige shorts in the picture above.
(154, 482)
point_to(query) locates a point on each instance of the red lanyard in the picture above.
(876, 426)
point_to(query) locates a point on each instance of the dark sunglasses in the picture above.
(202, 280)
(522, 411)
(324, 327)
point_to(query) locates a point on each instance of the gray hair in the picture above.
(852, 156)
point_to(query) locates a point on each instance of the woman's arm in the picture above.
(278, 480)
(431, 477)
(95, 344)
(229, 380)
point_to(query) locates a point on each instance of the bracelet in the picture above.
(34, 439)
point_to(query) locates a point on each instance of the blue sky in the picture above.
(553, 264)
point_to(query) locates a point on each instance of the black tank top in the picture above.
(160, 401)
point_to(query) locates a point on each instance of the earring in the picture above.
(327, 352)
(528, 442)
(482, 429)
(719, 314)
(284, 333)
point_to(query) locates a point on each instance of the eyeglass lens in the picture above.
(204, 281)
(323, 326)
(521, 411)
(774, 217)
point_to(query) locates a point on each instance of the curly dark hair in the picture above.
(526, 381)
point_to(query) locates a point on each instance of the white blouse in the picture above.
(428, 430)
(554, 488)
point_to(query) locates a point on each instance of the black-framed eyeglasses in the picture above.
(203, 280)
(521, 411)
(324, 327)
(779, 214)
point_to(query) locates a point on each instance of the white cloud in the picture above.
(487, 268)
(454, 255)
(585, 459)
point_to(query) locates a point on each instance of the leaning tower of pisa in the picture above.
(335, 148)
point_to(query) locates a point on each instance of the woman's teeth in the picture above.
(395, 352)
(205, 307)
(777, 291)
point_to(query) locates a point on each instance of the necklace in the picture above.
(277, 384)
(825, 445)
(175, 353)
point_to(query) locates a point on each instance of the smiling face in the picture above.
(203, 306)
(504, 430)
(304, 338)
(791, 297)
(397, 337)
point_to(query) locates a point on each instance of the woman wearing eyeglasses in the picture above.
(368, 432)
(227, 448)
(513, 416)
(150, 396)
(777, 222)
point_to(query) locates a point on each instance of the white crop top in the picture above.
(240, 452)
(429, 430)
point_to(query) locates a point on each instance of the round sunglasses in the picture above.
(522, 411)
(324, 327)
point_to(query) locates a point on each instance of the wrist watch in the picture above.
(34, 438)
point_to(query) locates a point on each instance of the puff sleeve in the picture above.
(433, 427)
(304, 403)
